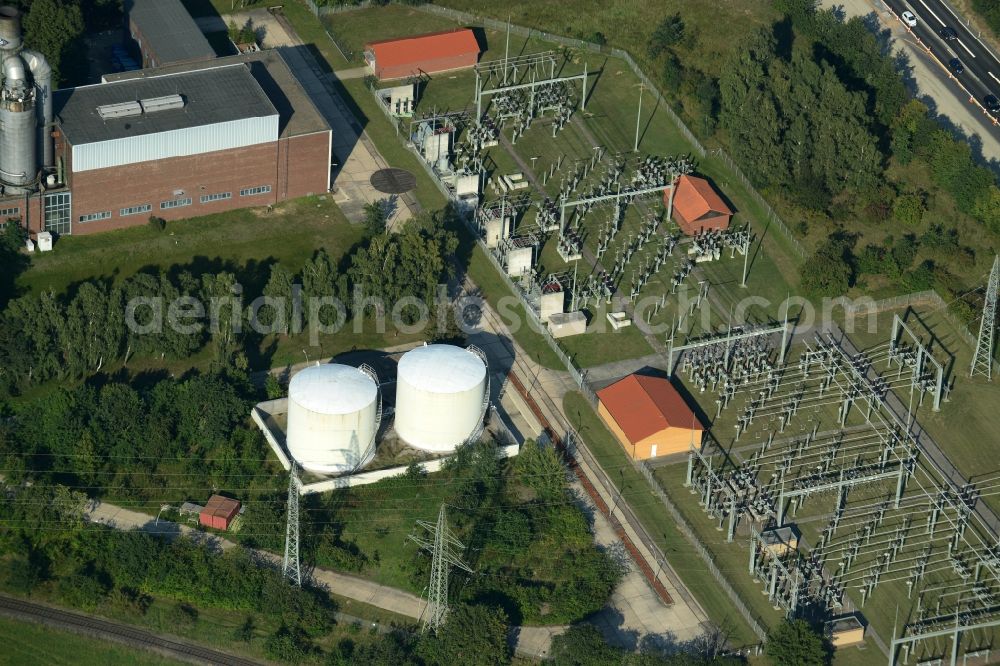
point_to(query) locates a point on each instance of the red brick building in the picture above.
(697, 206)
(423, 54)
(178, 142)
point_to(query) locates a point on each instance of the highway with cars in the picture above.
(940, 29)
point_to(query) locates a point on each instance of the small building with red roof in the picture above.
(648, 417)
(422, 54)
(697, 206)
(219, 512)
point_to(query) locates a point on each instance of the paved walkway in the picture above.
(352, 73)
(635, 610)
(271, 33)
(357, 155)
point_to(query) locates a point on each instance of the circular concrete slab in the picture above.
(393, 181)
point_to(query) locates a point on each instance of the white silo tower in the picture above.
(333, 416)
(441, 396)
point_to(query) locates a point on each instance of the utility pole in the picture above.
(506, 51)
(982, 360)
(290, 566)
(442, 545)
(638, 118)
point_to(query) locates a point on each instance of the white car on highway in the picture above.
(909, 18)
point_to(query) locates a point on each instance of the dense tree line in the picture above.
(583, 645)
(64, 336)
(795, 125)
(515, 520)
(12, 258)
(118, 441)
(45, 542)
(473, 636)
(798, 642)
(56, 29)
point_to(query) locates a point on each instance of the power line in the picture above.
(290, 566)
(441, 545)
(982, 360)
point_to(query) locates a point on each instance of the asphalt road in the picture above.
(982, 66)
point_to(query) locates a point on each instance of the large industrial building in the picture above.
(175, 141)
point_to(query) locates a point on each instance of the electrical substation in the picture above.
(815, 463)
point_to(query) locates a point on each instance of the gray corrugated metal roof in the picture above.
(210, 96)
(299, 114)
(169, 30)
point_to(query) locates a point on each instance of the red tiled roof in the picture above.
(642, 406)
(696, 198)
(419, 48)
(221, 507)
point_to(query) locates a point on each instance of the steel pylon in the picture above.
(982, 360)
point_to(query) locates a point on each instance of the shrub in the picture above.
(288, 644)
(908, 209)
(797, 642)
(81, 590)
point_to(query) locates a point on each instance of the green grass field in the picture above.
(245, 242)
(30, 644)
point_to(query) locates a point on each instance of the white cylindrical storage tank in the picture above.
(439, 396)
(331, 418)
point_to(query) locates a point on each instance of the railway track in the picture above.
(97, 628)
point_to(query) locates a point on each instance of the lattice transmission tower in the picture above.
(290, 567)
(982, 360)
(442, 545)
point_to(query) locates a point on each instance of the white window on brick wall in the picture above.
(251, 191)
(10, 212)
(175, 203)
(218, 196)
(135, 210)
(93, 217)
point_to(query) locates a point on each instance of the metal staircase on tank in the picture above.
(370, 371)
(481, 423)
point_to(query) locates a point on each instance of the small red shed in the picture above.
(697, 206)
(219, 512)
(422, 54)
